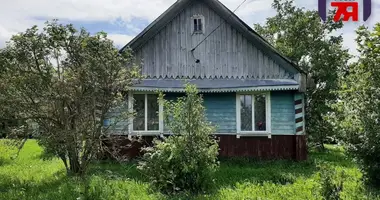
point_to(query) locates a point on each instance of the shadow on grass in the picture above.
(125, 180)
(283, 172)
(57, 188)
(240, 170)
(112, 169)
(333, 155)
(4, 161)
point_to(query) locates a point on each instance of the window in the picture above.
(253, 113)
(198, 23)
(148, 113)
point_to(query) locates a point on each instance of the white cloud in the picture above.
(119, 39)
(17, 15)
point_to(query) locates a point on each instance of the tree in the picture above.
(360, 105)
(187, 160)
(64, 82)
(300, 35)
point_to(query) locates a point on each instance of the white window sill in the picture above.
(158, 133)
(254, 134)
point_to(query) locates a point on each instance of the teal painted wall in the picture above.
(283, 122)
(221, 111)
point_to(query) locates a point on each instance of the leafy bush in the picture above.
(187, 160)
(359, 109)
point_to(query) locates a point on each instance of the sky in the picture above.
(124, 19)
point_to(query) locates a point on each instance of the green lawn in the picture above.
(30, 177)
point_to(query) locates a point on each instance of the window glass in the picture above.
(139, 108)
(246, 112)
(153, 109)
(195, 24)
(260, 113)
(199, 24)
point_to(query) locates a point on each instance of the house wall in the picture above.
(221, 111)
(278, 147)
(226, 53)
(282, 113)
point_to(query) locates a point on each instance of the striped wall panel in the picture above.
(299, 113)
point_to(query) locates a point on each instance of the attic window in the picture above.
(198, 23)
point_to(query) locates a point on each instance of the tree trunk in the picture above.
(75, 166)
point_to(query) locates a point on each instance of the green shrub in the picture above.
(187, 160)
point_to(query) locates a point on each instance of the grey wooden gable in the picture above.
(233, 50)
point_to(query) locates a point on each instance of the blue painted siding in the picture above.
(282, 113)
(221, 111)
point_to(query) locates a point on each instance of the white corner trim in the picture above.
(238, 114)
(161, 115)
(130, 109)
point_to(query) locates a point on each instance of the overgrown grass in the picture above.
(30, 177)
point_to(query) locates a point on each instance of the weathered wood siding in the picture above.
(282, 110)
(278, 147)
(224, 54)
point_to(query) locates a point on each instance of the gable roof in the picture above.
(252, 36)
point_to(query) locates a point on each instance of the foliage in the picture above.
(331, 182)
(360, 105)
(29, 177)
(62, 82)
(299, 34)
(187, 160)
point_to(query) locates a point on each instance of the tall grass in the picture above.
(30, 177)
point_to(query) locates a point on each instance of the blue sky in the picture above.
(124, 19)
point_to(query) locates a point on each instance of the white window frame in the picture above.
(268, 117)
(160, 115)
(202, 18)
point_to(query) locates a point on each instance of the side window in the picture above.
(253, 112)
(146, 109)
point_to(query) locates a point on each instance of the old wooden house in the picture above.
(252, 93)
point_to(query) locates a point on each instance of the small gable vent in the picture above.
(198, 22)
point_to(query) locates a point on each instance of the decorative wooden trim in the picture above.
(299, 120)
(221, 90)
(297, 102)
(299, 129)
(299, 117)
